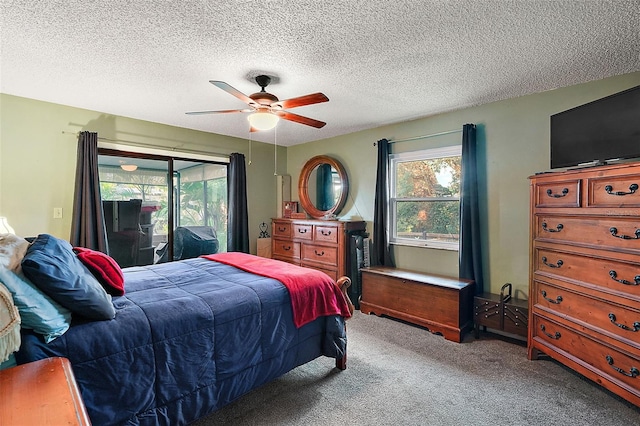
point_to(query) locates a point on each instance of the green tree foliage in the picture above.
(194, 212)
(192, 208)
(420, 179)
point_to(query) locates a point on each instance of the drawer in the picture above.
(620, 321)
(286, 249)
(321, 254)
(302, 232)
(600, 232)
(282, 230)
(487, 312)
(599, 358)
(326, 234)
(333, 274)
(558, 194)
(516, 319)
(287, 259)
(605, 274)
(618, 191)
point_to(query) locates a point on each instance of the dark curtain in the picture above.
(470, 244)
(324, 188)
(238, 227)
(381, 252)
(87, 223)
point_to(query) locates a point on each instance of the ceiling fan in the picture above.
(266, 109)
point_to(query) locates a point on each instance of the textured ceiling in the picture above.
(379, 62)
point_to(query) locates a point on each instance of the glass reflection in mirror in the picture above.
(325, 193)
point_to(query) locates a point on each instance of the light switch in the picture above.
(57, 212)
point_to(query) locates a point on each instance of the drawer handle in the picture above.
(555, 336)
(302, 230)
(558, 228)
(325, 233)
(614, 276)
(565, 191)
(319, 254)
(558, 264)
(632, 189)
(282, 228)
(633, 372)
(636, 325)
(557, 300)
(614, 232)
(287, 248)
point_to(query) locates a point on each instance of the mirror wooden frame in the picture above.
(303, 186)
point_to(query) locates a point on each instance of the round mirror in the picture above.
(323, 187)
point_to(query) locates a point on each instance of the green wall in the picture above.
(38, 155)
(37, 167)
(513, 143)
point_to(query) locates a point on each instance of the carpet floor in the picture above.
(401, 374)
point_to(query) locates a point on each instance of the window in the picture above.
(425, 197)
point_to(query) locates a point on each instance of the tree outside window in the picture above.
(425, 198)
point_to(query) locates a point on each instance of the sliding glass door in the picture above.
(159, 208)
(200, 194)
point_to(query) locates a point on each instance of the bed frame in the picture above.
(344, 283)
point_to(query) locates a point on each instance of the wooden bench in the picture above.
(442, 304)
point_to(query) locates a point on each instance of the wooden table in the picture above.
(41, 393)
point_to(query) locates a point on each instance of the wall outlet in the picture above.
(57, 212)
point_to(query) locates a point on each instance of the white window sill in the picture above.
(426, 244)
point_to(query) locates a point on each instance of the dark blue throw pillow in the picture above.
(53, 267)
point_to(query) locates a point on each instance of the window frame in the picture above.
(424, 154)
(173, 196)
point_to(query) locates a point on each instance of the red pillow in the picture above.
(105, 269)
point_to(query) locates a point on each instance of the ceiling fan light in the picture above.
(129, 167)
(263, 120)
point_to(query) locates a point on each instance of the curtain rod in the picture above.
(148, 145)
(448, 132)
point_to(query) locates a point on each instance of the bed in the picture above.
(191, 336)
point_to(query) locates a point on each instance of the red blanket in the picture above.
(313, 293)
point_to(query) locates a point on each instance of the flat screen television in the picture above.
(599, 132)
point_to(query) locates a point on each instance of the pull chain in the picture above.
(249, 145)
(275, 151)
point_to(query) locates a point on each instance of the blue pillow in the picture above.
(37, 311)
(53, 267)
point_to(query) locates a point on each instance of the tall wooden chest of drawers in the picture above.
(584, 290)
(317, 244)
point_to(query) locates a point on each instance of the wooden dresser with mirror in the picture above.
(584, 290)
(321, 242)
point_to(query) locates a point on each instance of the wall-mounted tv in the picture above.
(601, 131)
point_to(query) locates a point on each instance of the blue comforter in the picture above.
(188, 338)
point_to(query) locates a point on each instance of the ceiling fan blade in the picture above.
(314, 98)
(300, 119)
(233, 91)
(224, 111)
